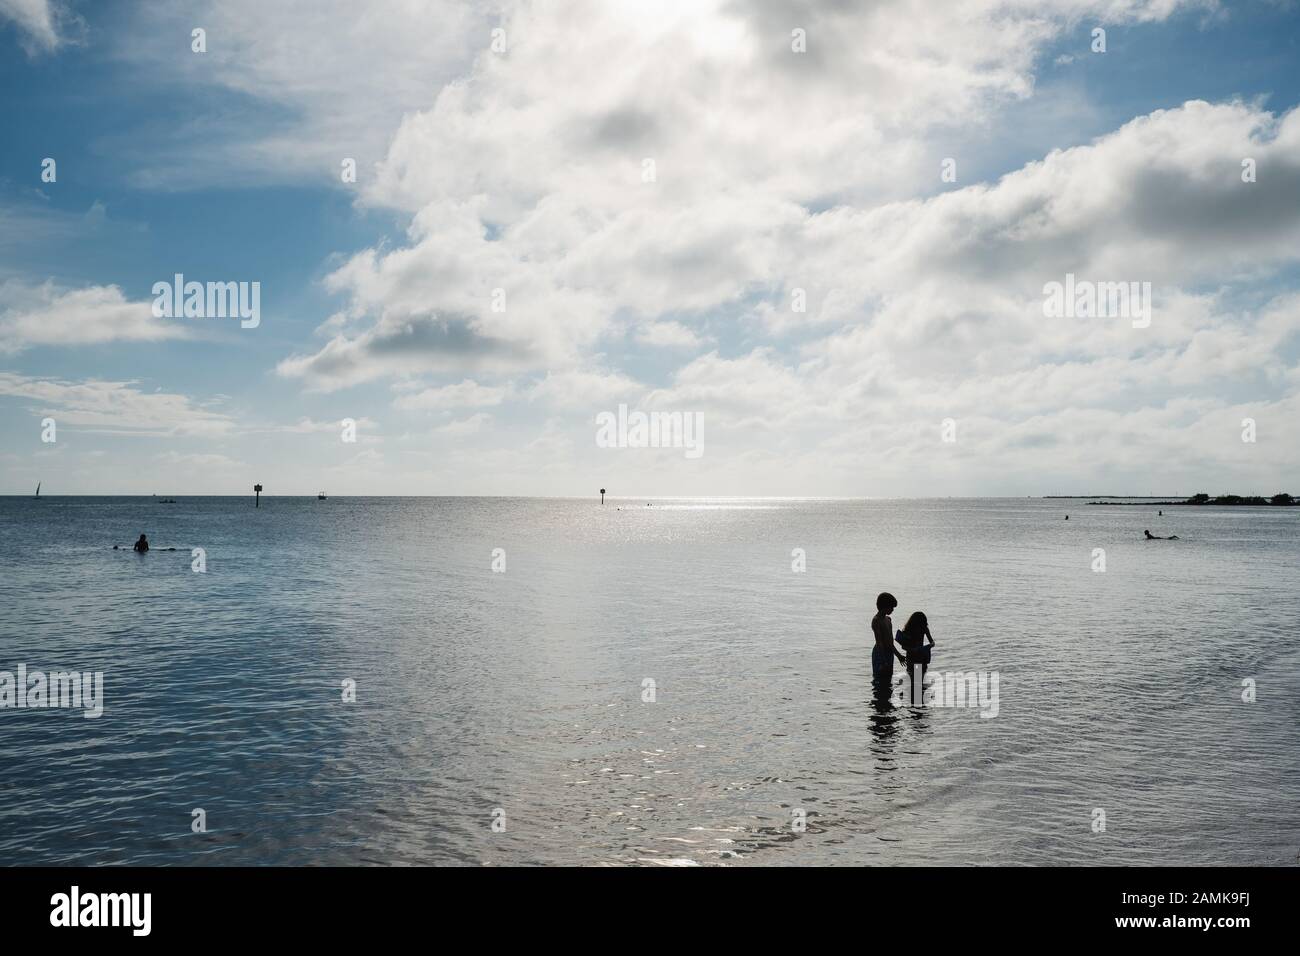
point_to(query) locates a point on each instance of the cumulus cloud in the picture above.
(680, 160)
(676, 177)
(116, 407)
(966, 270)
(466, 394)
(463, 426)
(581, 389)
(49, 315)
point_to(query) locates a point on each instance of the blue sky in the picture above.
(777, 170)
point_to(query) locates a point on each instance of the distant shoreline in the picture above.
(1280, 500)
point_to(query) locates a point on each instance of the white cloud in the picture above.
(753, 389)
(917, 308)
(526, 176)
(314, 82)
(116, 407)
(464, 426)
(536, 252)
(467, 394)
(47, 315)
(45, 25)
(365, 464)
(308, 426)
(584, 390)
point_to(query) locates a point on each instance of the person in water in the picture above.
(912, 639)
(883, 652)
(143, 544)
(1156, 537)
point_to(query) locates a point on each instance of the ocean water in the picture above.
(518, 695)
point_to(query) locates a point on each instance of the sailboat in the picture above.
(38, 489)
(321, 496)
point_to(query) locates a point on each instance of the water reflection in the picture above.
(883, 720)
(524, 690)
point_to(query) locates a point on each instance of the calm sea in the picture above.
(522, 696)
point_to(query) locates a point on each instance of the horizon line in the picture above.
(626, 497)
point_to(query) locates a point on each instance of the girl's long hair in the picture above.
(916, 625)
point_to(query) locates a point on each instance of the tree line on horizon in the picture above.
(1281, 498)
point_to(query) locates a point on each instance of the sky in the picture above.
(824, 230)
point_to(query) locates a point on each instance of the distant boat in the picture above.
(38, 489)
(321, 496)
